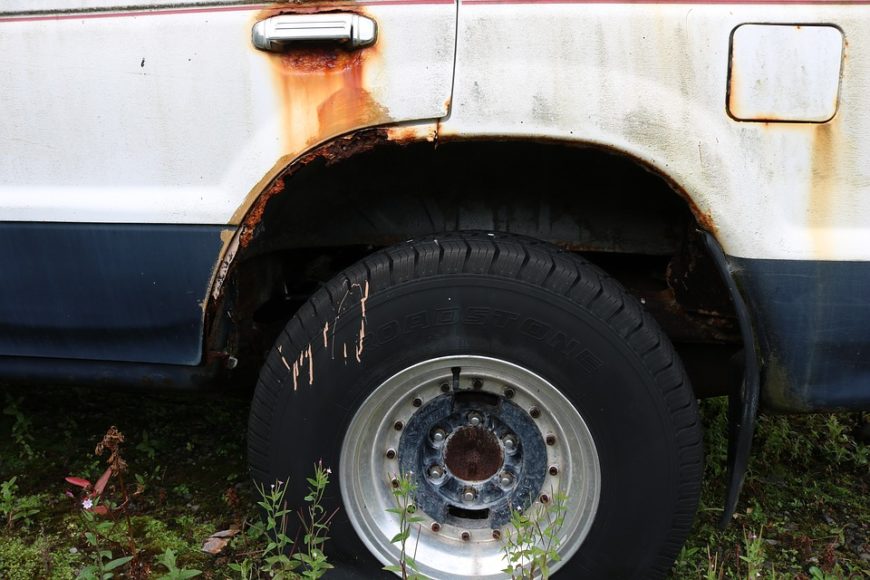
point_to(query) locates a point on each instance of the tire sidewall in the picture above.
(609, 384)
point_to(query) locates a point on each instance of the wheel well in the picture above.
(328, 212)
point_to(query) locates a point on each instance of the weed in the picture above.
(167, 560)
(753, 545)
(96, 505)
(532, 541)
(14, 509)
(146, 446)
(713, 571)
(21, 427)
(101, 557)
(283, 557)
(316, 525)
(404, 490)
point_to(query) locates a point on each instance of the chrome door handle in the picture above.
(281, 32)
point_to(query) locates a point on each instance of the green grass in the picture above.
(804, 512)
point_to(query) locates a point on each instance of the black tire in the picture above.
(620, 373)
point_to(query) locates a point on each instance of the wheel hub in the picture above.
(473, 454)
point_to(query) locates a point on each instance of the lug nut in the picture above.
(506, 479)
(475, 419)
(535, 412)
(551, 439)
(391, 453)
(509, 393)
(469, 495)
(436, 527)
(554, 470)
(477, 384)
(496, 534)
(394, 482)
(436, 472)
(510, 442)
(417, 402)
(439, 435)
(445, 388)
(465, 536)
(545, 498)
(398, 425)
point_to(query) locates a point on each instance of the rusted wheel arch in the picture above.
(372, 189)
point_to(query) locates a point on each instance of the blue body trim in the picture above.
(105, 292)
(812, 322)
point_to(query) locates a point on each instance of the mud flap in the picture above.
(742, 404)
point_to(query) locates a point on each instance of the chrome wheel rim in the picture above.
(479, 436)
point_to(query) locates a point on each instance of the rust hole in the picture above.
(473, 454)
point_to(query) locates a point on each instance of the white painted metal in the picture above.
(56, 6)
(785, 73)
(176, 118)
(651, 80)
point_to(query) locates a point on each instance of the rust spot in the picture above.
(473, 454)
(255, 216)
(331, 152)
(704, 218)
(403, 134)
(318, 59)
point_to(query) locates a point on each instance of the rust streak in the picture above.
(822, 196)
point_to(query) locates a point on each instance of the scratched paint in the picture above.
(301, 367)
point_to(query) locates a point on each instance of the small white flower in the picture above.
(87, 504)
(329, 471)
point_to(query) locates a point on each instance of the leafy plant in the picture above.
(753, 545)
(103, 562)
(283, 557)
(95, 505)
(531, 541)
(404, 490)
(146, 446)
(315, 522)
(20, 427)
(167, 560)
(16, 509)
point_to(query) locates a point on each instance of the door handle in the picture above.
(281, 32)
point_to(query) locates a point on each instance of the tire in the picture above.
(515, 368)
